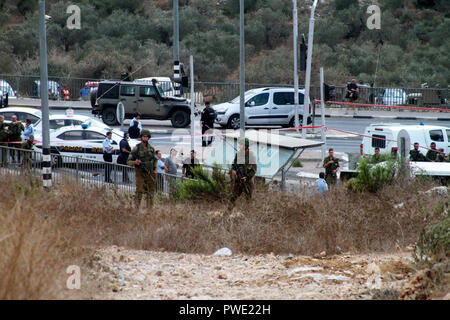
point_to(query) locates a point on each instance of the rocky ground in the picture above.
(120, 273)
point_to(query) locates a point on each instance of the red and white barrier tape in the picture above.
(383, 106)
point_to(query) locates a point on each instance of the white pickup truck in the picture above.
(390, 136)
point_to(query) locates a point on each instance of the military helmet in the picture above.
(145, 132)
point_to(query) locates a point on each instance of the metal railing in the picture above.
(217, 92)
(90, 173)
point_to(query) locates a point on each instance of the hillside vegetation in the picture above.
(412, 47)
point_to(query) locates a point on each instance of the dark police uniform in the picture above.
(207, 119)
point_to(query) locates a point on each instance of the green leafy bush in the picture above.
(371, 179)
(205, 185)
(433, 244)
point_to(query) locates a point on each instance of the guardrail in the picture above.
(91, 173)
(27, 86)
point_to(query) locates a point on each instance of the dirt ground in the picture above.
(120, 273)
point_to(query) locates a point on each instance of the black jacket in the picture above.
(208, 117)
(134, 132)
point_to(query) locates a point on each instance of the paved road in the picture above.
(349, 145)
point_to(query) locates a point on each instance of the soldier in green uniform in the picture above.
(27, 145)
(143, 157)
(16, 128)
(247, 168)
(4, 134)
(415, 154)
(432, 155)
(331, 165)
(376, 157)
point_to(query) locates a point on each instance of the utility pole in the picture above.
(191, 63)
(242, 71)
(295, 31)
(176, 49)
(322, 113)
(308, 67)
(46, 164)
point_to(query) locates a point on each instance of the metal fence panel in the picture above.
(90, 173)
(218, 92)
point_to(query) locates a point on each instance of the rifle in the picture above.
(146, 171)
(240, 176)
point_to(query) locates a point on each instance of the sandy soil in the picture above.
(120, 273)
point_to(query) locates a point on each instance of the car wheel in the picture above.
(109, 117)
(292, 122)
(234, 122)
(180, 119)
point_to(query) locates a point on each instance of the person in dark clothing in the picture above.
(352, 91)
(134, 130)
(189, 164)
(432, 154)
(125, 151)
(415, 154)
(207, 119)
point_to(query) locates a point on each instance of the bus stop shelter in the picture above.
(274, 152)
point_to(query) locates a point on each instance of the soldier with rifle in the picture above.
(143, 157)
(243, 169)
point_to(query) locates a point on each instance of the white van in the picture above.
(263, 106)
(388, 136)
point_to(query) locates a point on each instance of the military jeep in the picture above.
(147, 99)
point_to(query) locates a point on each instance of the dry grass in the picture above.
(44, 232)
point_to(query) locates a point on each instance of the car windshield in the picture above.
(247, 96)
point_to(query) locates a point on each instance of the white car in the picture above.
(263, 106)
(57, 121)
(84, 141)
(22, 114)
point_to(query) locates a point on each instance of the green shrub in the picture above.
(433, 244)
(371, 179)
(205, 185)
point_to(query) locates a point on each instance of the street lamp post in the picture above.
(308, 67)
(242, 72)
(295, 31)
(46, 164)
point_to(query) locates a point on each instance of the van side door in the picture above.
(257, 109)
(283, 107)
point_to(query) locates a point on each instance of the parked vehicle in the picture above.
(54, 89)
(392, 96)
(137, 97)
(263, 106)
(57, 121)
(85, 141)
(386, 136)
(22, 114)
